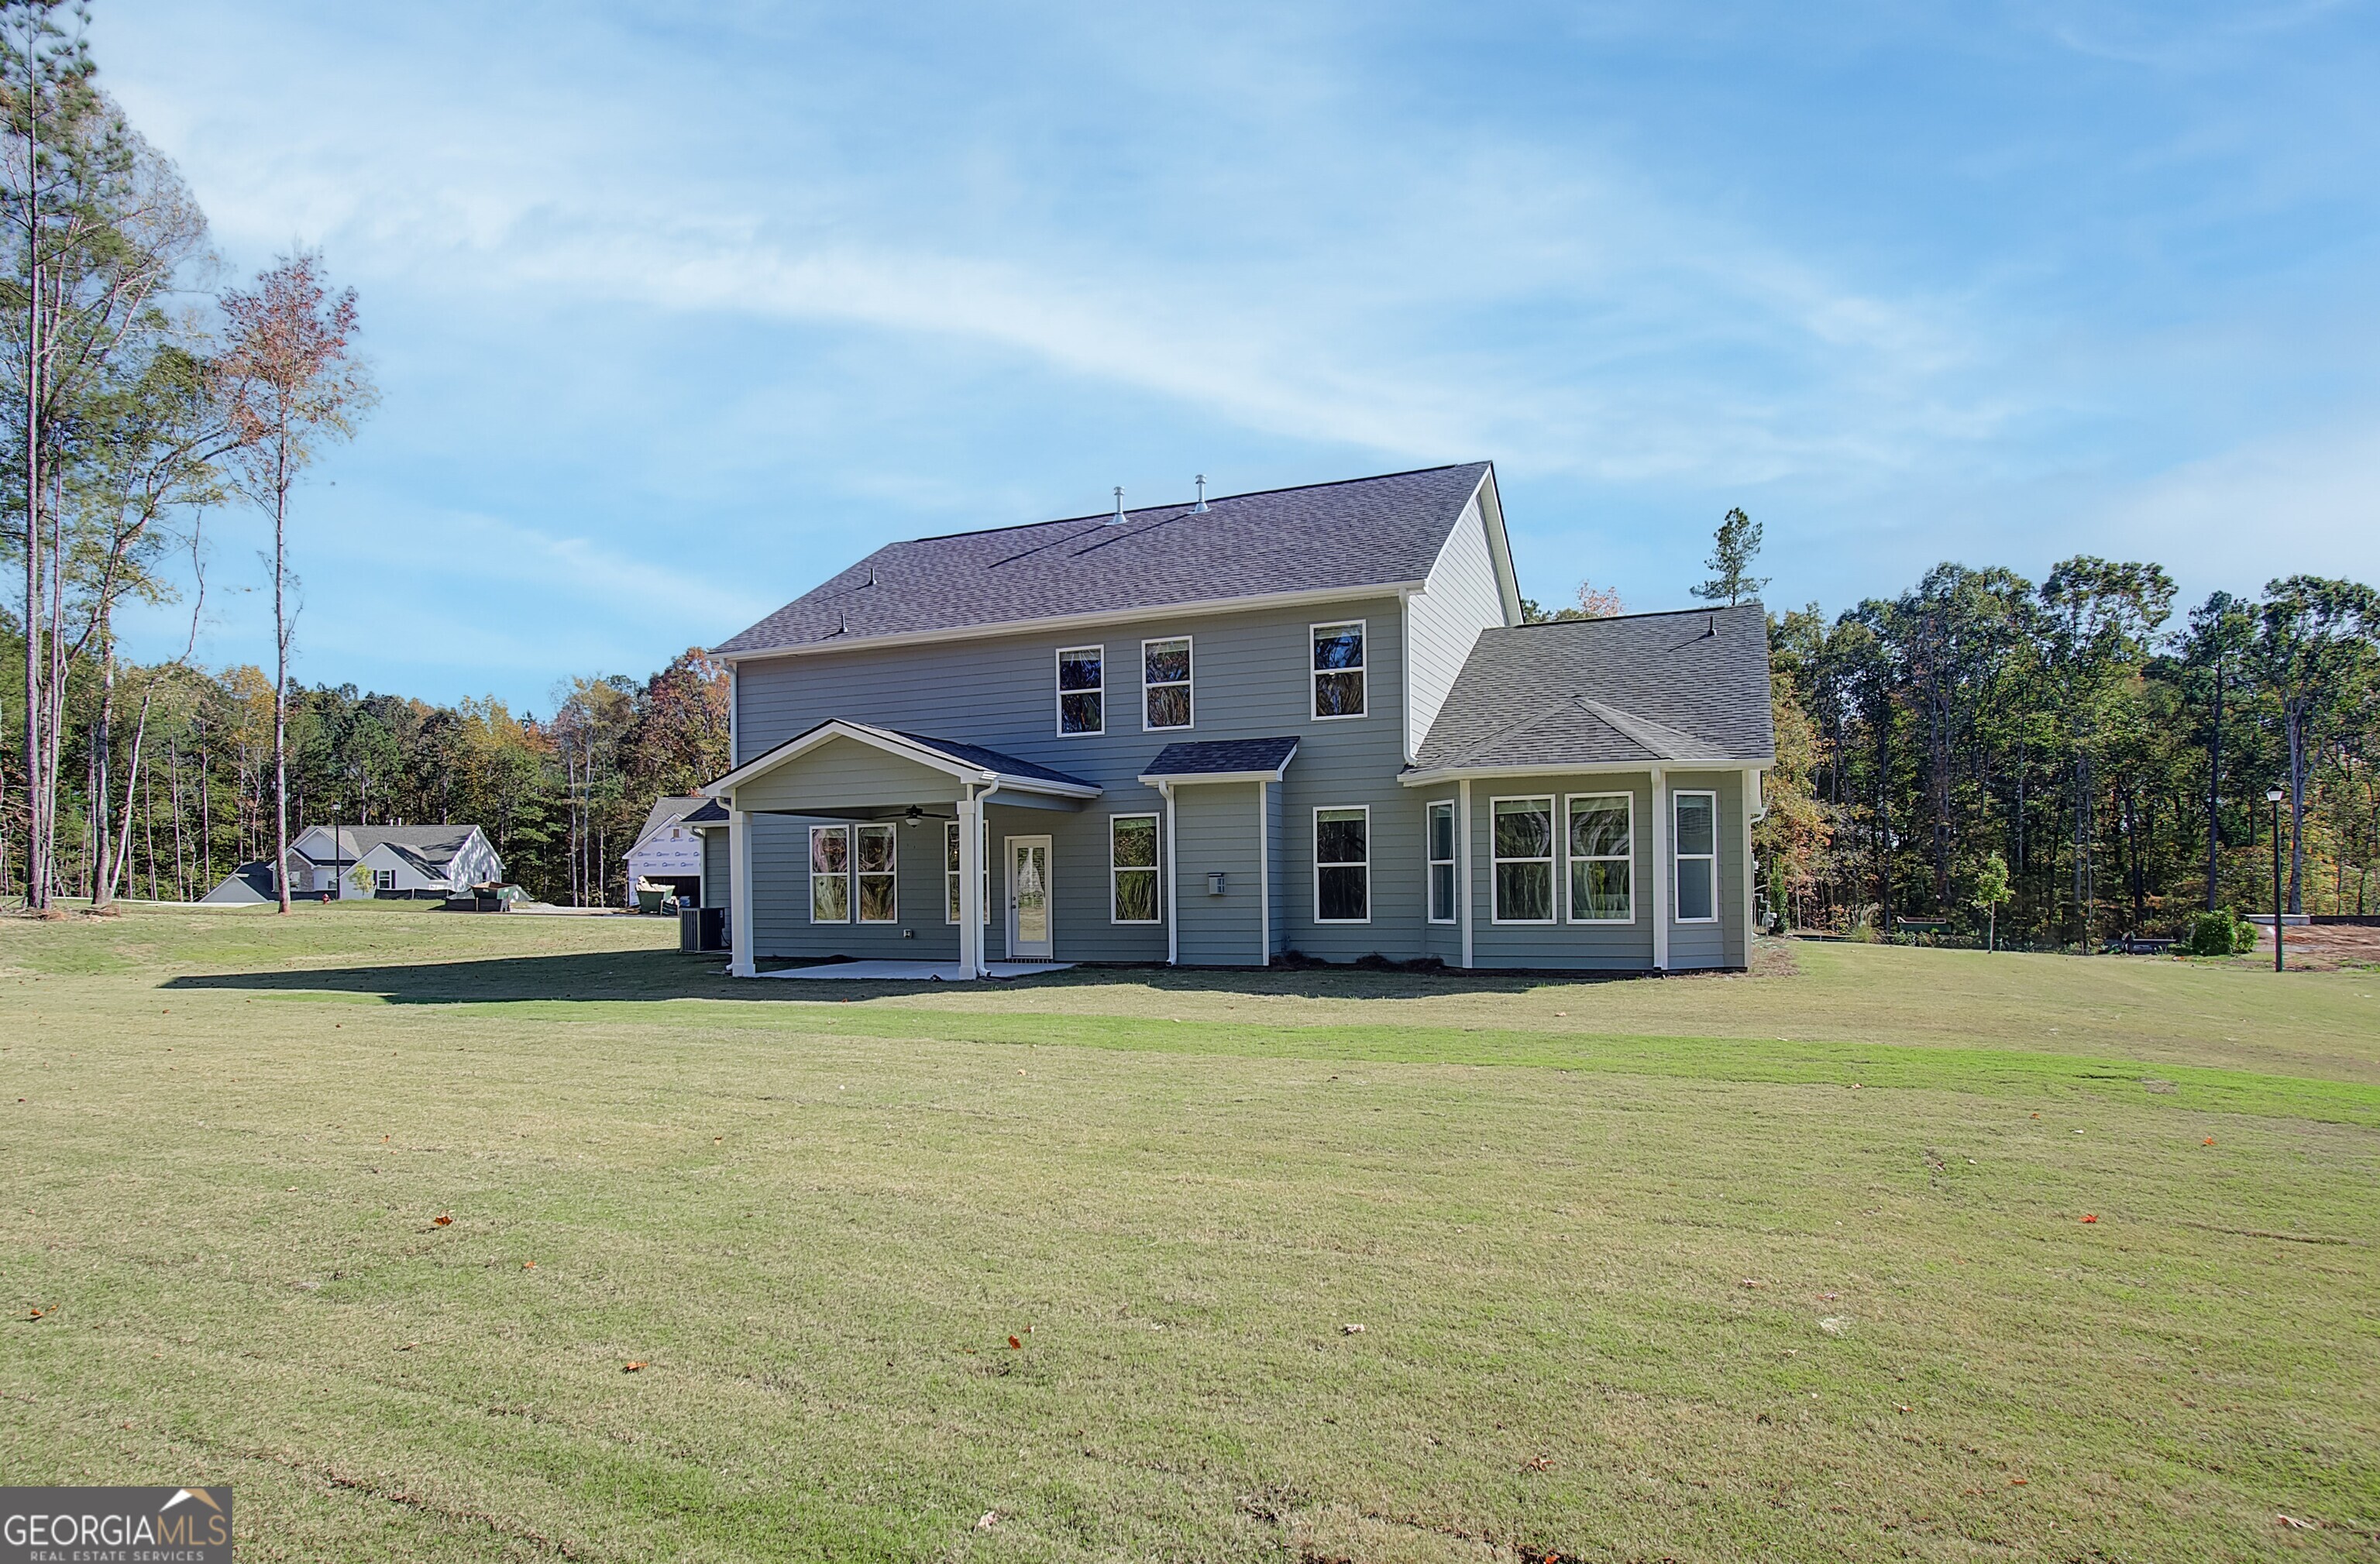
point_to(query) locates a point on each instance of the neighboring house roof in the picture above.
(667, 810)
(429, 845)
(1638, 689)
(712, 813)
(1232, 759)
(247, 884)
(1369, 532)
(966, 761)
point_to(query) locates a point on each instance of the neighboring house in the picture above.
(668, 851)
(419, 862)
(1308, 719)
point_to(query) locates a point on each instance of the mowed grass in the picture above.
(1783, 1265)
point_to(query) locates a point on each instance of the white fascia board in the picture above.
(1500, 546)
(1187, 779)
(892, 744)
(1070, 621)
(1579, 769)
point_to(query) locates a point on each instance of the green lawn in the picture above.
(1787, 1266)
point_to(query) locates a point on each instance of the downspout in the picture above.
(1463, 851)
(1172, 890)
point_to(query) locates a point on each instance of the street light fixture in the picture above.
(2280, 941)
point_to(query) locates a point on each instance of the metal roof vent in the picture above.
(1117, 519)
(1201, 481)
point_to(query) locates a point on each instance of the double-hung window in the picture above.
(1602, 842)
(1339, 670)
(1343, 865)
(829, 874)
(1697, 852)
(877, 856)
(1165, 682)
(951, 875)
(1440, 834)
(1523, 842)
(1082, 690)
(383, 880)
(1132, 869)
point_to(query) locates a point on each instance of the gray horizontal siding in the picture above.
(1215, 830)
(1253, 680)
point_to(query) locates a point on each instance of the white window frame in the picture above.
(1188, 686)
(951, 878)
(383, 880)
(1678, 861)
(1432, 865)
(1155, 871)
(1316, 840)
(1553, 864)
(1059, 692)
(810, 866)
(892, 871)
(1570, 908)
(1313, 676)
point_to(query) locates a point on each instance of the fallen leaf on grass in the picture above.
(631, 1367)
(2016, 1481)
(2294, 1524)
(528, 1265)
(1537, 1464)
(1829, 1297)
(1014, 1342)
(1351, 1329)
(441, 1221)
(2210, 1140)
(990, 1517)
(2091, 1217)
(1748, 1281)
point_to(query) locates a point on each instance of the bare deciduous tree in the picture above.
(289, 379)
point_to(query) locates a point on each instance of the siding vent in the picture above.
(1201, 481)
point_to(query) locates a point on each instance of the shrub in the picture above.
(2220, 933)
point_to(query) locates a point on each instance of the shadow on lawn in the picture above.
(666, 975)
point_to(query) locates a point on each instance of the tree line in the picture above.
(2062, 762)
(561, 797)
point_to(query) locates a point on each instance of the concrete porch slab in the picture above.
(915, 971)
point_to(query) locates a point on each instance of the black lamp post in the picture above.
(2280, 941)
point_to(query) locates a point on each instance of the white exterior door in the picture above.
(1029, 906)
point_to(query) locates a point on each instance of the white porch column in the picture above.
(1751, 812)
(970, 884)
(1264, 875)
(1463, 867)
(1660, 873)
(739, 896)
(1172, 890)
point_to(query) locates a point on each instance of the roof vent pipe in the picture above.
(1117, 519)
(1201, 481)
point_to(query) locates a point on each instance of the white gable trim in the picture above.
(894, 745)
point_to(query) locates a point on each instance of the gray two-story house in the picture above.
(1210, 734)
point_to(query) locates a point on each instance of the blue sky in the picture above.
(677, 310)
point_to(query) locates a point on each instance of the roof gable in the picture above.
(1374, 532)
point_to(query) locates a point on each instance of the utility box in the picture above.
(701, 930)
(1215, 883)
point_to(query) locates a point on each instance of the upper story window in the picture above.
(1339, 670)
(1165, 682)
(1082, 690)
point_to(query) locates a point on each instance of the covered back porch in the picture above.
(873, 843)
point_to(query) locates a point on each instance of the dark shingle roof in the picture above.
(1642, 688)
(425, 844)
(993, 760)
(1365, 532)
(711, 813)
(1224, 757)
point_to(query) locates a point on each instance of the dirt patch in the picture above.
(2327, 947)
